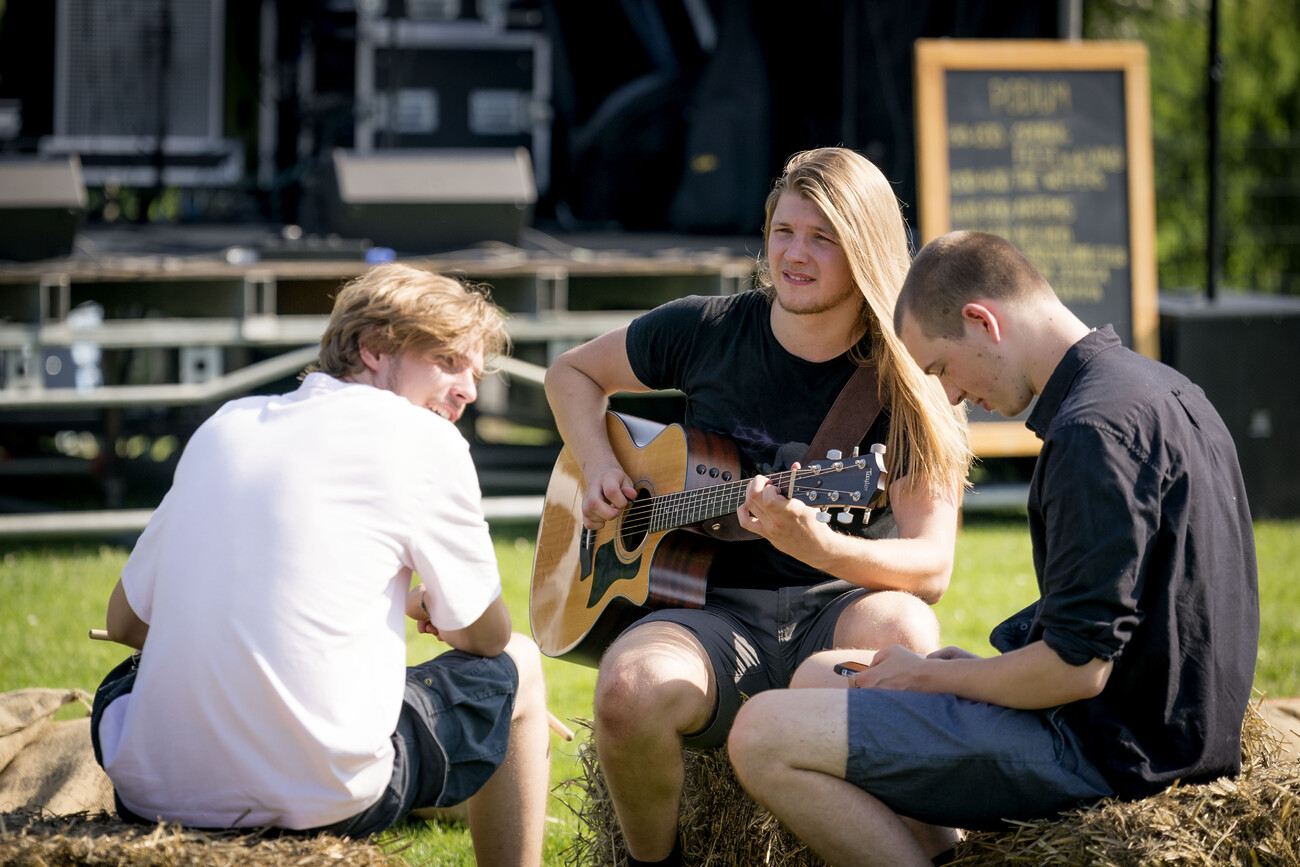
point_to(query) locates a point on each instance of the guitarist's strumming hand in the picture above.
(790, 525)
(608, 493)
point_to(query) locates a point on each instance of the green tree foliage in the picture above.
(1259, 122)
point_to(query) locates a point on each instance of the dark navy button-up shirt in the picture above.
(1144, 552)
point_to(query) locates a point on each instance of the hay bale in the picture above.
(720, 823)
(39, 839)
(1252, 820)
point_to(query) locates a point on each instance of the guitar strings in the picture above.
(639, 515)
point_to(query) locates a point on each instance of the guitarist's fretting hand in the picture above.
(790, 525)
(608, 493)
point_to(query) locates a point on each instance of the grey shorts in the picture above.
(755, 640)
(963, 764)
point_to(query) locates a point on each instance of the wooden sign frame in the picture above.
(935, 58)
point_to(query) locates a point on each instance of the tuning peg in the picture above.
(878, 448)
(844, 517)
(823, 515)
(834, 455)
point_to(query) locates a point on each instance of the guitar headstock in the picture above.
(843, 483)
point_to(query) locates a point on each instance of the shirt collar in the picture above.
(319, 380)
(1059, 383)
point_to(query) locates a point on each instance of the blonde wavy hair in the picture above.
(928, 442)
(396, 308)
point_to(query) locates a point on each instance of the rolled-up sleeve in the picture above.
(1099, 507)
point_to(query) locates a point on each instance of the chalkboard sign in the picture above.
(1047, 144)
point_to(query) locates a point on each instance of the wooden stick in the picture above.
(556, 726)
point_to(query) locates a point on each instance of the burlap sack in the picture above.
(1283, 714)
(24, 716)
(46, 764)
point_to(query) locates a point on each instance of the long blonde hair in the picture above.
(928, 442)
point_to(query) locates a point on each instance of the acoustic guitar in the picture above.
(589, 585)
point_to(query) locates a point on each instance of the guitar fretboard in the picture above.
(673, 511)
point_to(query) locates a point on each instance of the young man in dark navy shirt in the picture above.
(1131, 671)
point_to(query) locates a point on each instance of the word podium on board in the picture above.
(1048, 144)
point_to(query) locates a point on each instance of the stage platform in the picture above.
(111, 356)
(221, 296)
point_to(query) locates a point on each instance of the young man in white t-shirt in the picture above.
(269, 590)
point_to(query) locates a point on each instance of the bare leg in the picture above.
(789, 749)
(507, 817)
(818, 670)
(876, 621)
(655, 684)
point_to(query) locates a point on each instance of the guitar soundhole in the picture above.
(635, 525)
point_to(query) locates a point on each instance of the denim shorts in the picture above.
(755, 640)
(452, 735)
(964, 764)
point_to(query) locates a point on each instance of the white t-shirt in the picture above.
(274, 578)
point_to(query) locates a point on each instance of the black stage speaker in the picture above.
(420, 201)
(1240, 348)
(41, 205)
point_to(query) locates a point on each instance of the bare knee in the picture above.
(628, 703)
(885, 618)
(649, 688)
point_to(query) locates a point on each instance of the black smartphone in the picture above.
(848, 669)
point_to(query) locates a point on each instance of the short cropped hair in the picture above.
(396, 308)
(957, 268)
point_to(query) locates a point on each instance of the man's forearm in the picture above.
(918, 561)
(915, 566)
(123, 625)
(1030, 678)
(486, 636)
(578, 405)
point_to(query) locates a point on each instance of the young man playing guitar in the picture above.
(763, 368)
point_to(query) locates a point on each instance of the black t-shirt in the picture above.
(741, 383)
(1144, 551)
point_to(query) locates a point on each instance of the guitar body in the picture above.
(588, 586)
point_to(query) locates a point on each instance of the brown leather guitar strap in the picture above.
(849, 419)
(851, 416)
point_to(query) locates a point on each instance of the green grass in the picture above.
(51, 594)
